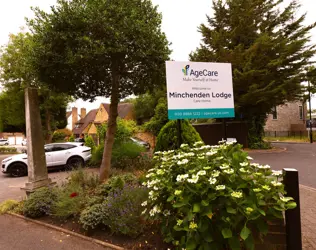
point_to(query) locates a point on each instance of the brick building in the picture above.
(288, 117)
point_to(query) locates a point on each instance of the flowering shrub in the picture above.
(40, 202)
(212, 197)
(123, 209)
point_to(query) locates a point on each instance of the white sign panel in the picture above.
(199, 90)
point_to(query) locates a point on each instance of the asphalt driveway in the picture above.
(299, 156)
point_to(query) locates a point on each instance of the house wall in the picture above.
(69, 123)
(93, 129)
(288, 118)
(102, 115)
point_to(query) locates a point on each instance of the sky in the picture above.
(180, 21)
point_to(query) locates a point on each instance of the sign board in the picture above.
(199, 90)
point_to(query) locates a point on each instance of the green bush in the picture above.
(60, 135)
(97, 155)
(89, 142)
(69, 202)
(93, 216)
(123, 209)
(116, 182)
(128, 149)
(125, 129)
(83, 179)
(8, 206)
(213, 197)
(40, 202)
(72, 196)
(72, 138)
(168, 135)
(7, 150)
(160, 118)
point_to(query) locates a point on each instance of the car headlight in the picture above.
(7, 159)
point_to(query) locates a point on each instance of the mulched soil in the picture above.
(149, 240)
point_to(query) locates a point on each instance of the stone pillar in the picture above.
(37, 169)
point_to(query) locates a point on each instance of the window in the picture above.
(60, 147)
(301, 111)
(274, 113)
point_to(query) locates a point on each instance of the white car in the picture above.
(4, 142)
(68, 154)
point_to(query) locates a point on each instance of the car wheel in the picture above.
(74, 162)
(17, 170)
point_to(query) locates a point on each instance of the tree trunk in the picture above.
(111, 130)
(49, 135)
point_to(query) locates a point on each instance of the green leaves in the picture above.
(231, 210)
(245, 233)
(234, 243)
(291, 205)
(196, 208)
(227, 233)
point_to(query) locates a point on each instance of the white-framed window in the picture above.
(274, 113)
(301, 112)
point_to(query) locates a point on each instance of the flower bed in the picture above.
(201, 197)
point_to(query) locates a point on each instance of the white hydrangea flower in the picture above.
(236, 194)
(194, 179)
(184, 161)
(149, 175)
(255, 165)
(276, 173)
(264, 167)
(215, 173)
(156, 188)
(201, 172)
(177, 192)
(166, 213)
(243, 170)
(182, 177)
(220, 187)
(244, 164)
(219, 158)
(207, 168)
(212, 181)
(225, 166)
(205, 147)
(190, 154)
(144, 211)
(184, 145)
(200, 157)
(229, 171)
(144, 204)
(160, 172)
(257, 190)
(266, 187)
(249, 158)
(276, 184)
(210, 153)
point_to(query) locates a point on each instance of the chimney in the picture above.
(83, 113)
(74, 117)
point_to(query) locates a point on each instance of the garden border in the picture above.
(99, 242)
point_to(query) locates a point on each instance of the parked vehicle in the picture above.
(24, 142)
(4, 142)
(69, 154)
(141, 143)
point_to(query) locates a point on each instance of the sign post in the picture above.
(199, 90)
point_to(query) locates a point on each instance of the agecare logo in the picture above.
(197, 73)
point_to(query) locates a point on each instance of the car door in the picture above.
(62, 153)
(49, 155)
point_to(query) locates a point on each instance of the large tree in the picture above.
(269, 48)
(105, 48)
(18, 73)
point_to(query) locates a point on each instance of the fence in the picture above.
(286, 134)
